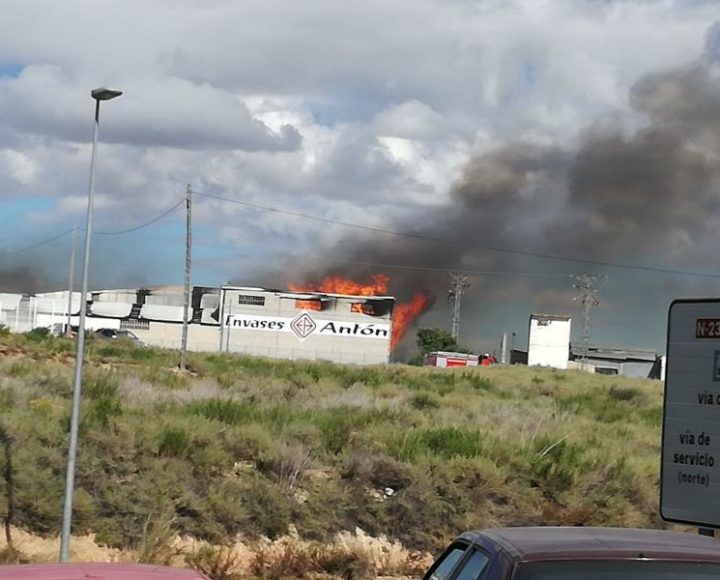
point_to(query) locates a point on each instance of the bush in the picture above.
(423, 401)
(173, 442)
(38, 334)
(218, 563)
(448, 443)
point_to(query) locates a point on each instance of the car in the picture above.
(97, 572)
(566, 553)
(115, 334)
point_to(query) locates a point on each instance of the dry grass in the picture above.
(245, 447)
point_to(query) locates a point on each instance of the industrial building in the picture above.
(549, 340)
(627, 362)
(257, 321)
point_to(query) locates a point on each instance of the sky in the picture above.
(576, 129)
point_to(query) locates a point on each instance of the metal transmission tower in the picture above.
(458, 285)
(589, 288)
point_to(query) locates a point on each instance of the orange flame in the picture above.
(403, 314)
(334, 284)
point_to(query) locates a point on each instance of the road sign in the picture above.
(690, 472)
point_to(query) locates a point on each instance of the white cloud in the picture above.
(358, 112)
(19, 166)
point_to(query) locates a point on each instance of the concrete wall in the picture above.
(169, 335)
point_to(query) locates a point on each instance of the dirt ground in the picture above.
(388, 559)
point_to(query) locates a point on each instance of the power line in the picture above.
(321, 219)
(525, 253)
(459, 271)
(39, 244)
(144, 225)
(66, 232)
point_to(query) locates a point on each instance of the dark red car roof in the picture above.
(96, 572)
(548, 543)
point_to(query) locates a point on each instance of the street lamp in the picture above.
(99, 94)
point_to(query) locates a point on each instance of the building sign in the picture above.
(690, 478)
(304, 326)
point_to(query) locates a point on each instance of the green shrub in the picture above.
(20, 368)
(624, 393)
(103, 409)
(424, 401)
(477, 382)
(557, 464)
(448, 442)
(38, 334)
(98, 384)
(8, 397)
(223, 410)
(173, 442)
(218, 563)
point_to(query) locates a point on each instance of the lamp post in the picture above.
(99, 94)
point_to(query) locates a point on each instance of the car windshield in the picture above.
(617, 570)
(127, 334)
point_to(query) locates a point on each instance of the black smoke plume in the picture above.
(646, 195)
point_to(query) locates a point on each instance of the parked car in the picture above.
(96, 572)
(577, 553)
(115, 334)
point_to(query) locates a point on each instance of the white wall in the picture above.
(549, 342)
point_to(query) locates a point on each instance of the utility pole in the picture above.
(588, 286)
(71, 282)
(188, 262)
(221, 318)
(458, 285)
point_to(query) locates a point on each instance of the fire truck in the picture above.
(450, 359)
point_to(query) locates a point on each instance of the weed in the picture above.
(218, 563)
(623, 393)
(223, 410)
(20, 368)
(8, 398)
(37, 334)
(292, 462)
(157, 544)
(477, 382)
(103, 409)
(423, 401)
(444, 442)
(172, 442)
(98, 384)
(247, 446)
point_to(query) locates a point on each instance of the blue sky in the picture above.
(366, 113)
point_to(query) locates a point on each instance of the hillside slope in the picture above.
(248, 447)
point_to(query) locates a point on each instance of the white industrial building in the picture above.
(549, 340)
(627, 362)
(257, 321)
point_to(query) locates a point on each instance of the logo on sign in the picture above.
(303, 326)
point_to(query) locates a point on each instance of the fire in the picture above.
(338, 285)
(403, 314)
